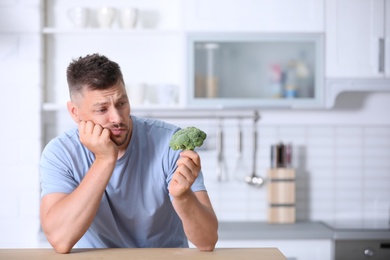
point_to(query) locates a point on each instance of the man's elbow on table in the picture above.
(62, 248)
(209, 246)
(59, 245)
(206, 248)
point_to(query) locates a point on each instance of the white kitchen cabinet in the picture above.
(236, 70)
(254, 15)
(387, 39)
(294, 249)
(154, 53)
(357, 38)
(357, 47)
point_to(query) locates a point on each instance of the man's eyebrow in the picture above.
(100, 104)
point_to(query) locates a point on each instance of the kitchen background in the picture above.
(340, 152)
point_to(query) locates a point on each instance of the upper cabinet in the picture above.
(357, 46)
(345, 44)
(387, 41)
(254, 15)
(157, 59)
(255, 69)
(356, 39)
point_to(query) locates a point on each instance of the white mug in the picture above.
(105, 16)
(128, 17)
(79, 16)
(137, 93)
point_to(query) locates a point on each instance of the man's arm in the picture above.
(199, 221)
(66, 217)
(194, 208)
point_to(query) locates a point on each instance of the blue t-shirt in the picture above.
(136, 209)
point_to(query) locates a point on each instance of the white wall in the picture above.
(20, 81)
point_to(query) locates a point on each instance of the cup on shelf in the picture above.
(128, 17)
(105, 16)
(137, 93)
(79, 16)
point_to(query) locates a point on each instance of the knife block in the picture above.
(281, 195)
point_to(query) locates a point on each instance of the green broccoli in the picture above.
(187, 139)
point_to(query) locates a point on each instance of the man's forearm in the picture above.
(199, 221)
(66, 217)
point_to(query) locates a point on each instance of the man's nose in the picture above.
(115, 117)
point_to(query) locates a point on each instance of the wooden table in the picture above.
(145, 253)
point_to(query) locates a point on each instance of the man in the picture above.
(114, 181)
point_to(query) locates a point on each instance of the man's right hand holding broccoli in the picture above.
(188, 166)
(197, 218)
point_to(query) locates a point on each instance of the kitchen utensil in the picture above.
(288, 156)
(281, 155)
(254, 179)
(222, 174)
(240, 168)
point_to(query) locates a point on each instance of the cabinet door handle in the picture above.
(381, 53)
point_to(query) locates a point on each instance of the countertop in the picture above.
(145, 253)
(360, 229)
(298, 230)
(263, 230)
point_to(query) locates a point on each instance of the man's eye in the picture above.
(101, 110)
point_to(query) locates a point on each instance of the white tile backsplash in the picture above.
(332, 184)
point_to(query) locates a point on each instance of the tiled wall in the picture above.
(343, 171)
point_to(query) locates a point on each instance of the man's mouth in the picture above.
(117, 131)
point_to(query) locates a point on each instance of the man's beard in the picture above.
(119, 140)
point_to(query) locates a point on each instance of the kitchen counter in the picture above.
(145, 253)
(263, 230)
(360, 229)
(302, 230)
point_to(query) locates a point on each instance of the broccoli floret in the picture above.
(187, 139)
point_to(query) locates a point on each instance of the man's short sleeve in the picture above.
(55, 170)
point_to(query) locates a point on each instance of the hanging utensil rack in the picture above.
(199, 114)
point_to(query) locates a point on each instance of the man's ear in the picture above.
(73, 111)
